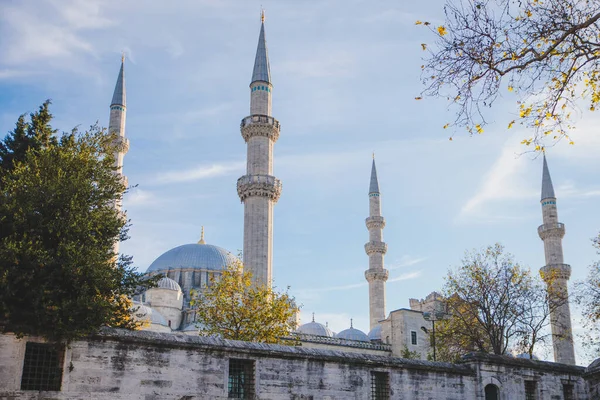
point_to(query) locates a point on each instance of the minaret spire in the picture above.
(556, 274)
(116, 126)
(259, 190)
(376, 275)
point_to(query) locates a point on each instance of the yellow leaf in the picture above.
(510, 88)
(424, 46)
(528, 13)
(510, 125)
(418, 23)
(479, 129)
(442, 31)
(450, 138)
(571, 142)
(446, 126)
(418, 98)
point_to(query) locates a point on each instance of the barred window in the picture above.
(42, 367)
(530, 390)
(413, 337)
(568, 391)
(240, 384)
(380, 385)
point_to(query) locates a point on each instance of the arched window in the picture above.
(492, 392)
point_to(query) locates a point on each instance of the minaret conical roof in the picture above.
(119, 96)
(547, 188)
(262, 70)
(374, 186)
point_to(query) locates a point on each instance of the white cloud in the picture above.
(31, 36)
(505, 180)
(405, 277)
(139, 197)
(405, 261)
(200, 172)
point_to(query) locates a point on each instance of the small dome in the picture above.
(375, 333)
(353, 334)
(144, 312)
(526, 356)
(194, 256)
(168, 283)
(315, 328)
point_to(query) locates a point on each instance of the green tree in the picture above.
(32, 135)
(59, 276)
(543, 53)
(231, 307)
(494, 306)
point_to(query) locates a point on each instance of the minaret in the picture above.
(556, 274)
(259, 190)
(376, 275)
(116, 124)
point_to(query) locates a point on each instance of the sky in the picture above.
(345, 76)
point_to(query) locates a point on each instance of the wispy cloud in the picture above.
(405, 261)
(30, 35)
(402, 277)
(139, 197)
(502, 182)
(200, 172)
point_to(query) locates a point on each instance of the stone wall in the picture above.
(148, 365)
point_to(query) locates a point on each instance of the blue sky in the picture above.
(345, 76)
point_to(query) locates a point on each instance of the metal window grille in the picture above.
(240, 384)
(568, 392)
(380, 385)
(530, 390)
(413, 337)
(42, 367)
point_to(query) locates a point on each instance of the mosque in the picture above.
(167, 308)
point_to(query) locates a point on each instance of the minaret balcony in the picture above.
(376, 275)
(122, 144)
(375, 247)
(259, 185)
(555, 272)
(375, 222)
(260, 125)
(556, 230)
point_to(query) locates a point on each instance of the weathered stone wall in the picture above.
(148, 365)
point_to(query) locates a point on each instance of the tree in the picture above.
(59, 276)
(588, 297)
(544, 52)
(28, 136)
(231, 307)
(494, 306)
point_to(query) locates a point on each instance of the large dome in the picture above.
(193, 256)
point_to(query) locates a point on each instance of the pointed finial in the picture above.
(262, 15)
(373, 155)
(351, 323)
(201, 241)
(123, 57)
(313, 317)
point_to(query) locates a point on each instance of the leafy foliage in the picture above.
(544, 52)
(59, 276)
(494, 306)
(231, 307)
